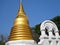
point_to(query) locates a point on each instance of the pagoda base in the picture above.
(21, 42)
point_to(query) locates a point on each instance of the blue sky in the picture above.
(36, 10)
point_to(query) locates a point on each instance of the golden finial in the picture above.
(21, 29)
(21, 10)
(21, 16)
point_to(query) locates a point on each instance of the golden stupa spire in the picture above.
(21, 29)
(21, 10)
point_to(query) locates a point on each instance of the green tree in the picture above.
(37, 29)
(56, 20)
(2, 43)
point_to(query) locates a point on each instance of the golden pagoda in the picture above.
(21, 29)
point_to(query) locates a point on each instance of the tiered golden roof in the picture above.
(21, 29)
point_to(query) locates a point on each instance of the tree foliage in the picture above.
(37, 29)
(56, 20)
(3, 39)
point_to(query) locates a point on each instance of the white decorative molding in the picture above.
(21, 42)
(51, 39)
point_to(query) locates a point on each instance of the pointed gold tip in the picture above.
(20, 0)
(21, 16)
(21, 10)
